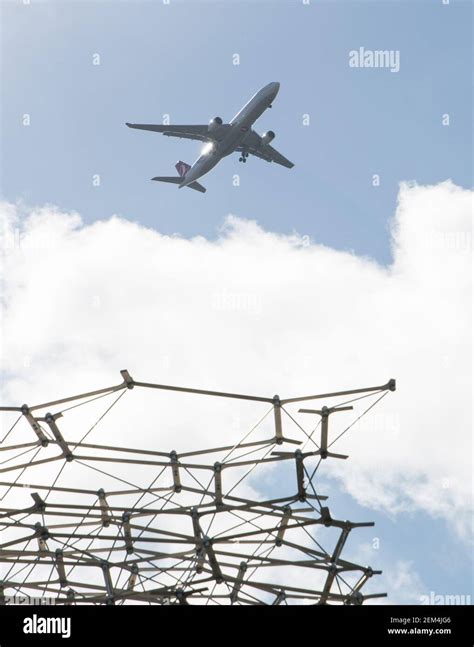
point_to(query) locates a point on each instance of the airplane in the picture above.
(223, 139)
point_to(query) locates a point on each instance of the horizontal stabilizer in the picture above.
(173, 180)
(197, 187)
(177, 180)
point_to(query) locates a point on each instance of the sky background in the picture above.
(177, 59)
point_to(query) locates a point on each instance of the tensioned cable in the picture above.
(103, 415)
(19, 475)
(357, 419)
(81, 404)
(303, 430)
(11, 428)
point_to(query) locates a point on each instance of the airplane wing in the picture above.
(201, 133)
(253, 145)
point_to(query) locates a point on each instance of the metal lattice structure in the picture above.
(91, 523)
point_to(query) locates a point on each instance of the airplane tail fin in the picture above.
(182, 169)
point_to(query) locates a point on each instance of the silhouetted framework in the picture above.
(77, 527)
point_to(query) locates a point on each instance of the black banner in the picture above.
(138, 624)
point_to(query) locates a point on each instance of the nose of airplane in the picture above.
(275, 86)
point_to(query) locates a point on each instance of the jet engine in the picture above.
(214, 124)
(268, 137)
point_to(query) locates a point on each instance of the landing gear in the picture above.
(243, 157)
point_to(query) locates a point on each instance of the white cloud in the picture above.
(405, 584)
(258, 312)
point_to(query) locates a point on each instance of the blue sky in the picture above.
(177, 59)
(414, 538)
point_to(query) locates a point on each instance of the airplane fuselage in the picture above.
(241, 125)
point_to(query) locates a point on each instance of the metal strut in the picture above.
(283, 525)
(281, 597)
(325, 413)
(218, 483)
(127, 378)
(200, 555)
(238, 582)
(332, 572)
(60, 567)
(300, 475)
(34, 425)
(175, 471)
(214, 564)
(341, 541)
(196, 525)
(277, 416)
(71, 597)
(127, 532)
(108, 583)
(40, 505)
(50, 420)
(42, 535)
(356, 596)
(104, 508)
(132, 580)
